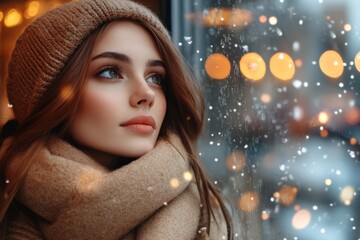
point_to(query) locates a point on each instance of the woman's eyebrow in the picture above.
(155, 63)
(114, 55)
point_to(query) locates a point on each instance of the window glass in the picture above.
(281, 81)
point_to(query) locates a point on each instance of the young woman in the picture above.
(107, 119)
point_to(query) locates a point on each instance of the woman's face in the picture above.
(123, 106)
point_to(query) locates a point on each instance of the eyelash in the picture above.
(118, 73)
(114, 68)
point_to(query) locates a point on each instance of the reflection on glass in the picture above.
(289, 106)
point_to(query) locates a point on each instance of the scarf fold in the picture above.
(77, 198)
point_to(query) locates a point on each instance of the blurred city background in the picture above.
(281, 80)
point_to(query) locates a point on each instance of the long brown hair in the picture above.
(54, 112)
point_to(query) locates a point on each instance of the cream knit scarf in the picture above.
(77, 198)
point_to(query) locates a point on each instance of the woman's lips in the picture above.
(141, 124)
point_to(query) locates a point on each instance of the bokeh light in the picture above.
(188, 176)
(347, 27)
(265, 216)
(357, 61)
(1, 16)
(353, 141)
(235, 162)
(328, 182)
(273, 20)
(227, 17)
(248, 201)
(298, 63)
(265, 98)
(282, 66)
(324, 133)
(301, 219)
(67, 93)
(287, 195)
(252, 66)
(262, 19)
(331, 64)
(352, 116)
(32, 10)
(347, 195)
(217, 66)
(323, 117)
(174, 183)
(13, 18)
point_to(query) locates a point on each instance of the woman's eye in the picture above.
(109, 72)
(155, 79)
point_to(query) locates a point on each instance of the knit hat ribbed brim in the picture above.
(46, 45)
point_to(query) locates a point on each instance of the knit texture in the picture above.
(74, 197)
(45, 46)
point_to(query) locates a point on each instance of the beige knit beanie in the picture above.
(45, 46)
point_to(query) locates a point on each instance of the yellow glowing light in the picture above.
(331, 64)
(265, 216)
(298, 63)
(32, 10)
(328, 182)
(226, 17)
(323, 117)
(13, 18)
(253, 66)
(357, 61)
(273, 20)
(352, 116)
(324, 133)
(287, 195)
(347, 195)
(187, 176)
(262, 19)
(301, 219)
(282, 66)
(265, 98)
(1, 16)
(248, 201)
(347, 27)
(353, 141)
(235, 161)
(217, 66)
(174, 182)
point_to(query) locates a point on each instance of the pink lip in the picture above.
(144, 124)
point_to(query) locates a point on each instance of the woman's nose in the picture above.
(143, 95)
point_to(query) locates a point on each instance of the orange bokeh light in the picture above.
(301, 219)
(282, 66)
(265, 98)
(357, 61)
(331, 64)
(235, 161)
(226, 17)
(217, 66)
(248, 201)
(352, 116)
(353, 141)
(298, 63)
(287, 195)
(324, 133)
(253, 66)
(262, 19)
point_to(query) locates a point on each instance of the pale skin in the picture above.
(123, 106)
